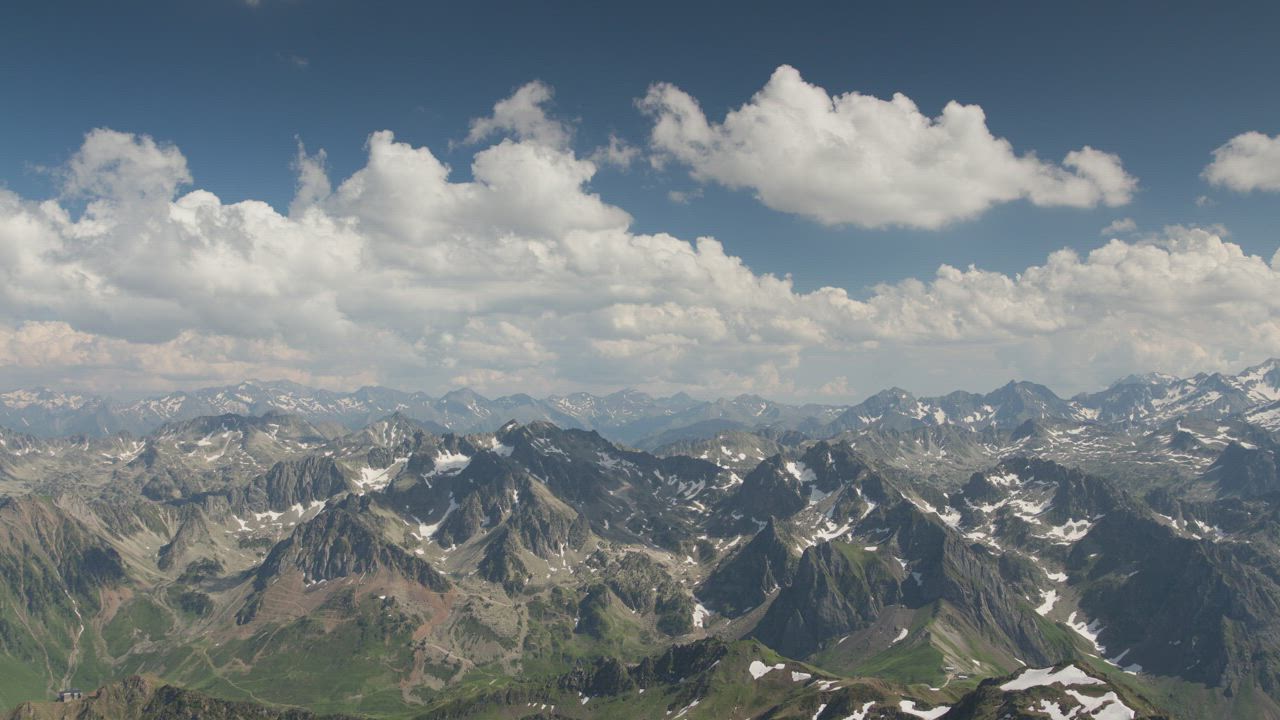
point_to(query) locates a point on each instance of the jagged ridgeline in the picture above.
(984, 556)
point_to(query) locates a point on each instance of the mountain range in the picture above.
(644, 420)
(287, 553)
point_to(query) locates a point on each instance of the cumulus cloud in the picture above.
(1119, 227)
(313, 180)
(523, 279)
(857, 159)
(523, 115)
(1189, 300)
(116, 166)
(1249, 161)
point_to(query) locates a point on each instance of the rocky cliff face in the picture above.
(1181, 606)
(837, 588)
(502, 564)
(1245, 472)
(747, 577)
(296, 482)
(340, 542)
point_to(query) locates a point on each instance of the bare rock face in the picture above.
(747, 577)
(341, 541)
(296, 482)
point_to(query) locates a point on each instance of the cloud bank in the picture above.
(857, 159)
(523, 279)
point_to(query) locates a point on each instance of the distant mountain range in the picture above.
(1011, 554)
(644, 420)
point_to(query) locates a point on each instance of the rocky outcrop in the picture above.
(501, 563)
(341, 541)
(646, 587)
(837, 588)
(769, 491)
(192, 538)
(296, 482)
(1181, 606)
(746, 578)
(1245, 472)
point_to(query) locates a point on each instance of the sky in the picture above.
(809, 202)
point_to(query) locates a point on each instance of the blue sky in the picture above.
(235, 85)
(1160, 84)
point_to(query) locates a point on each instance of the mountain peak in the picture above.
(1149, 379)
(462, 394)
(1264, 366)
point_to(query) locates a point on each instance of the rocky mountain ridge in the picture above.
(400, 570)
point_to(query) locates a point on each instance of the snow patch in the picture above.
(372, 479)
(801, 472)
(700, 615)
(426, 531)
(759, 669)
(1037, 677)
(1049, 598)
(909, 707)
(951, 517)
(1089, 632)
(446, 462)
(1103, 707)
(1068, 532)
(862, 714)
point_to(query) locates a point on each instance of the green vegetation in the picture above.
(917, 662)
(21, 680)
(353, 666)
(141, 620)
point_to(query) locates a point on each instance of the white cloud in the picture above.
(618, 153)
(684, 197)
(861, 160)
(313, 180)
(1249, 161)
(1119, 227)
(45, 351)
(119, 166)
(523, 279)
(523, 115)
(1186, 302)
